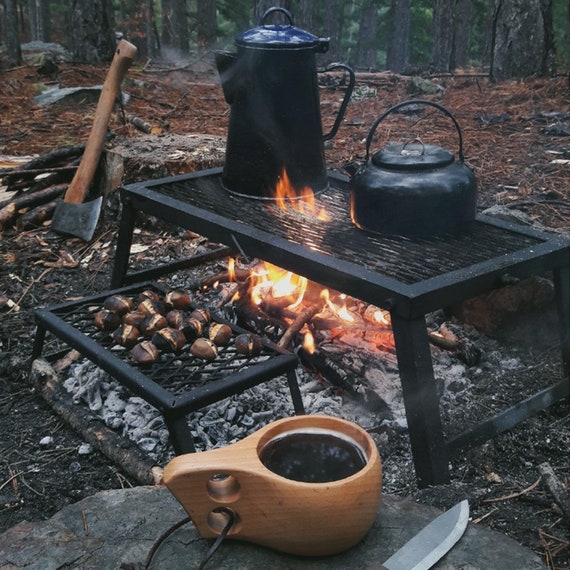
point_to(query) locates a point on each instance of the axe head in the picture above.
(79, 220)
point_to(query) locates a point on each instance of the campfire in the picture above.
(309, 313)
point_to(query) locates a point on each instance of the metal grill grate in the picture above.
(406, 260)
(172, 382)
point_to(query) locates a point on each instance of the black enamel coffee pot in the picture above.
(275, 119)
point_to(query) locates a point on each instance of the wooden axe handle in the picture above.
(79, 186)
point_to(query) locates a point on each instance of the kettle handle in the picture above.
(276, 9)
(347, 95)
(414, 102)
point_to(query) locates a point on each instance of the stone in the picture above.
(117, 528)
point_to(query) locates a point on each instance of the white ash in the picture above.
(216, 425)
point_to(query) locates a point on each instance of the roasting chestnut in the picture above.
(147, 294)
(220, 334)
(151, 307)
(178, 299)
(192, 329)
(126, 335)
(169, 339)
(152, 323)
(176, 318)
(134, 318)
(106, 320)
(204, 348)
(118, 304)
(144, 353)
(248, 344)
(202, 315)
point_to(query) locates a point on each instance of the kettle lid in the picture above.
(280, 36)
(412, 156)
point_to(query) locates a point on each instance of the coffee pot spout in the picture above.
(225, 62)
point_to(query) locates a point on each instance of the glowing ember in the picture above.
(302, 201)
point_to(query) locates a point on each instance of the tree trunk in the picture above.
(166, 26)
(39, 20)
(93, 30)
(441, 59)
(181, 31)
(522, 38)
(307, 15)
(398, 48)
(366, 46)
(461, 34)
(260, 6)
(13, 51)
(206, 25)
(333, 30)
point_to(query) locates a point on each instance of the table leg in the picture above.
(180, 434)
(124, 241)
(562, 288)
(421, 400)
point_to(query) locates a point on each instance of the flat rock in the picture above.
(119, 527)
(71, 95)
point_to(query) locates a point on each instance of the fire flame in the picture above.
(232, 269)
(309, 342)
(270, 280)
(341, 312)
(303, 201)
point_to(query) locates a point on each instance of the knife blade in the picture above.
(432, 542)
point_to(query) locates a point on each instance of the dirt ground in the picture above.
(516, 139)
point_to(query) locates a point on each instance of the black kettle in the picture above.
(413, 189)
(275, 119)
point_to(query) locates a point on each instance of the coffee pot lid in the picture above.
(280, 36)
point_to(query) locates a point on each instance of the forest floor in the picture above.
(516, 137)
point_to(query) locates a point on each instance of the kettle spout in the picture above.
(225, 62)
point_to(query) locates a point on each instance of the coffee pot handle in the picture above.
(276, 9)
(414, 102)
(348, 94)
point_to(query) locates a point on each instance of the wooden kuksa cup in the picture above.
(297, 517)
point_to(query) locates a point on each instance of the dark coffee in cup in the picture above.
(313, 456)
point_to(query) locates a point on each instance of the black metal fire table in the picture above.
(408, 277)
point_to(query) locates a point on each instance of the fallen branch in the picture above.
(513, 495)
(52, 157)
(139, 123)
(129, 458)
(556, 488)
(32, 173)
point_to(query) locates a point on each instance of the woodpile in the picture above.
(32, 189)
(29, 192)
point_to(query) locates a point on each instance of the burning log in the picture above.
(330, 370)
(302, 319)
